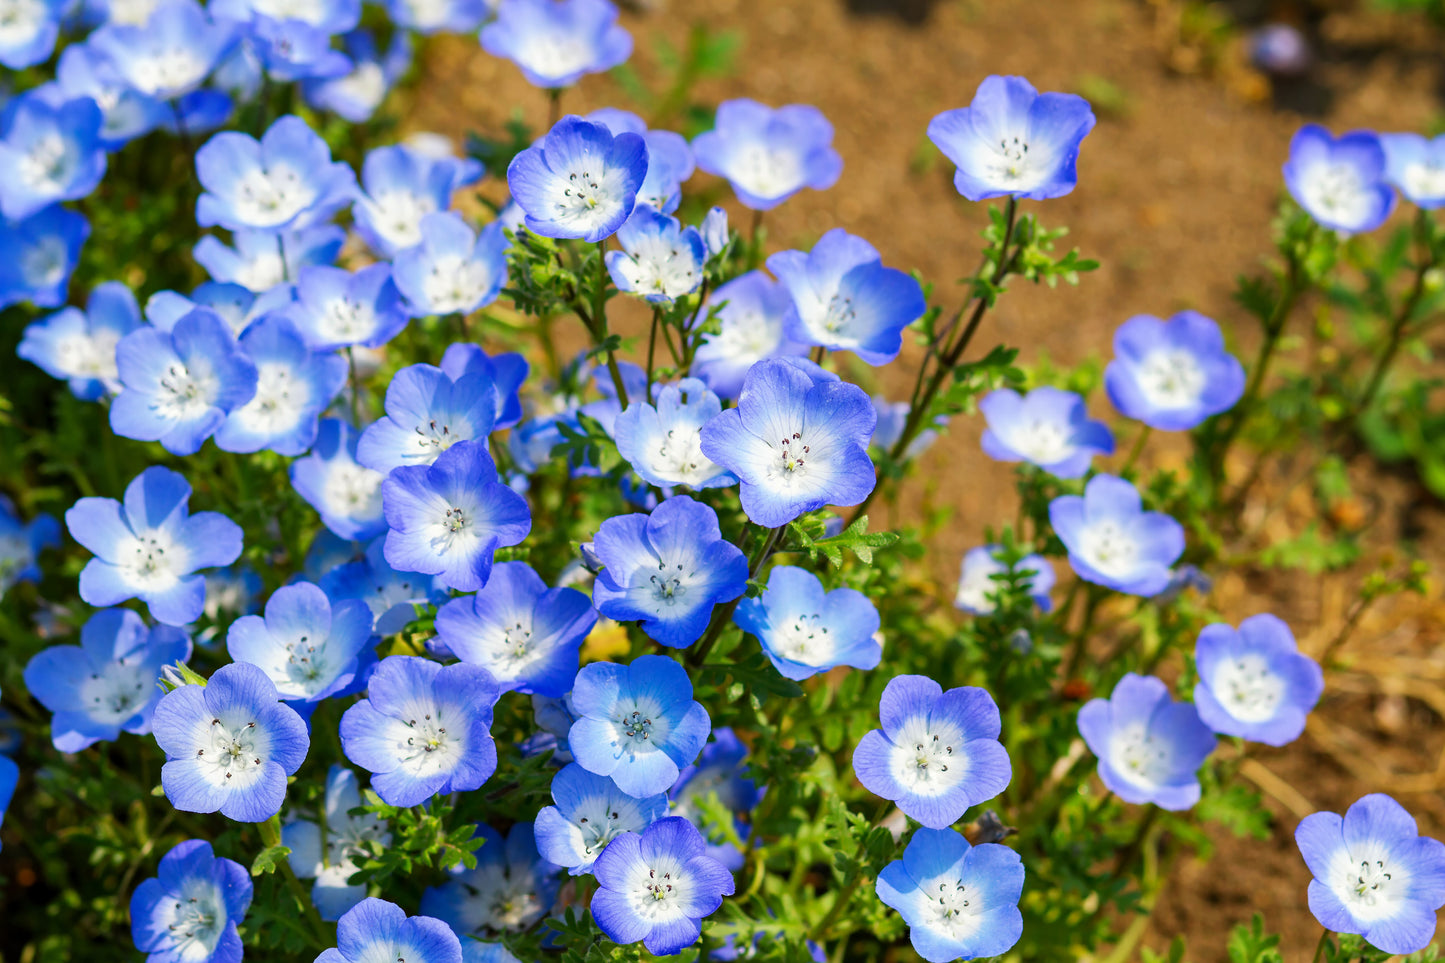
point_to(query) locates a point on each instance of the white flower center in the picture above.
(88, 355)
(1043, 442)
(1247, 687)
(397, 215)
(152, 562)
(765, 172)
(48, 163)
(454, 284)
(554, 54)
(639, 725)
(43, 261)
(366, 84)
(309, 11)
(266, 198)
(169, 69)
(661, 892)
(1171, 379)
(1337, 190)
(20, 20)
(1011, 161)
(1424, 180)
(425, 745)
(195, 918)
(1109, 548)
(281, 399)
(928, 757)
(262, 273)
(679, 458)
(184, 395)
(115, 691)
(235, 752)
(953, 908)
(352, 491)
(657, 266)
(602, 819)
(803, 638)
(1140, 756)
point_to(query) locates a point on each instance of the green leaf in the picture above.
(268, 859)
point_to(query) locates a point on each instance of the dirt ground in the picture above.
(1177, 186)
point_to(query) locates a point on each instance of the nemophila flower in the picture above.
(452, 270)
(1340, 182)
(449, 518)
(374, 930)
(1149, 747)
(636, 723)
(49, 152)
(79, 346)
(718, 772)
(30, 33)
(581, 181)
(126, 113)
(171, 53)
(427, 412)
(260, 260)
(606, 410)
(284, 181)
(293, 386)
(150, 547)
(938, 752)
(507, 371)
(554, 718)
(189, 910)
(977, 585)
(657, 887)
(753, 306)
(796, 440)
(344, 493)
(1254, 682)
(330, 16)
(960, 901)
(107, 684)
(557, 42)
(333, 854)
(590, 812)
(769, 154)
(310, 647)
(336, 308)
(805, 630)
(229, 745)
(511, 888)
(527, 635)
(667, 570)
(37, 256)
(9, 779)
(200, 111)
(663, 442)
(1374, 874)
(669, 159)
(1112, 541)
(660, 260)
(399, 186)
(291, 49)
(232, 303)
(1012, 141)
(179, 386)
(234, 591)
(20, 544)
(355, 96)
(715, 232)
(1416, 166)
(428, 17)
(844, 299)
(1172, 374)
(423, 728)
(1047, 427)
(392, 595)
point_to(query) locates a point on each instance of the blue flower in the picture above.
(336, 308)
(663, 443)
(960, 901)
(715, 232)
(37, 256)
(31, 36)
(1416, 166)
(199, 112)
(797, 441)
(170, 54)
(669, 159)
(356, 95)
(427, 412)
(1340, 182)
(260, 260)
(400, 186)
(1173, 374)
(452, 270)
(392, 595)
(49, 152)
(330, 16)
(107, 684)
(126, 113)
(9, 779)
(656, 887)
(667, 569)
(590, 812)
(238, 307)
(1112, 541)
(178, 387)
(892, 419)
(660, 260)
(1013, 141)
(293, 386)
(554, 718)
(938, 752)
(1254, 683)
(1047, 427)
(507, 371)
(150, 547)
(334, 859)
(79, 346)
(1149, 747)
(1374, 874)
(718, 772)
(284, 181)
(229, 745)
(423, 729)
(375, 930)
(751, 329)
(608, 408)
(428, 17)
(636, 723)
(768, 154)
(580, 182)
(20, 544)
(189, 910)
(294, 49)
(977, 585)
(511, 888)
(805, 630)
(310, 647)
(557, 42)
(346, 495)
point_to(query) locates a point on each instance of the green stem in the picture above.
(652, 347)
(853, 880)
(755, 241)
(1402, 318)
(1320, 947)
(1095, 595)
(355, 387)
(271, 836)
(554, 106)
(1137, 450)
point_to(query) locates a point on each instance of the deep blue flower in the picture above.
(336, 308)
(718, 773)
(1173, 374)
(356, 95)
(310, 647)
(805, 630)
(977, 585)
(590, 812)
(427, 412)
(663, 443)
(507, 371)
(751, 329)
(392, 595)
(188, 912)
(345, 494)
(150, 547)
(937, 753)
(1047, 427)
(79, 346)
(20, 544)
(1254, 682)
(769, 154)
(233, 304)
(286, 180)
(1340, 182)
(580, 182)
(554, 718)
(1149, 747)
(637, 723)
(291, 50)
(293, 386)
(1416, 166)
(660, 260)
(1374, 874)
(400, 186)
(375, 930)
(49, 152)
(260, 260)
(9, 779)
(30, 37)
(334, 859)
(1112, 541)
(126, 113)
(511, 888)
(557, 42)
(452, 270)
(669, 159)
(37, 256)
(960, 901)
(171, 53)
(200, 112)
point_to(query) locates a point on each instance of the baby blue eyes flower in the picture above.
(345, 494)
(452, 270)
(37, 256)
(170, 54)
(291, 49)
(805, 630)
(20, 545)
(374, 930)
(30, 36)
(1046, 427)
(260, 260)
(189, 910)
(50, 152)
(751, 329)
(668, 570)
(150, 547)
(960, 901)
(580, 182)
(557, 42)
(660, 260)
(400, 186)
(938, 752)
(79, 347)
(1340, 182)
(336, 308)
(1112, 541)
(333, 859)
(1416, 166)
(797, 441)
(769, 154)
(229, 745)
(511, 888)
(718, 773)
(107, 684)
(355, 95)
(590, 812)
(663, 443)
(657, 887)
(293, 386)
(429, 17)
(392, 595)
(286, 180)
(1173, 374)
(1013, 141)
(507, 371)
(977, 585)
(1254, 682)
(1374, 874)
(844, 299)
(126, 113)
(669, 159)
(636, 723)
(1149, 747)
(427, 412)
(310, 647)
